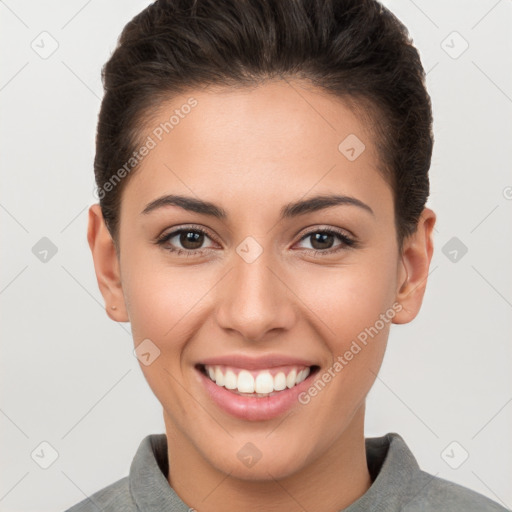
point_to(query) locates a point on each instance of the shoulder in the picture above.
(400, 484)
(145, 485)
(429, 492)
(112, 498)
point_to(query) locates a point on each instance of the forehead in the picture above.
(258, 147)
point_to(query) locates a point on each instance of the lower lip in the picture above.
(254, 408)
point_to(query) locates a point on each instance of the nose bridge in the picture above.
(254, 301)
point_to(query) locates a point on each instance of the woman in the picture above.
(262, 169)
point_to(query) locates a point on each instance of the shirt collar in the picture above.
(148, 477)
(392, 466)
(390, 462)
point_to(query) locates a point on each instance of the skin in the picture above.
(251, 151)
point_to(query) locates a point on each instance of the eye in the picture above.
(322, 241)
(191, 240)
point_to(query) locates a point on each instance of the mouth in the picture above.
(255, 388)
(257, 383)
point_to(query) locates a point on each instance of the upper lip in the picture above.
(256, 363)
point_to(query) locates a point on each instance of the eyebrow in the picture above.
(288, 211)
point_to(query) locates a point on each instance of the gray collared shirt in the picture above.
(397, 484)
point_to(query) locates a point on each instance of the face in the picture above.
(251, 282)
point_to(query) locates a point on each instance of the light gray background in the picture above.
(68, 374)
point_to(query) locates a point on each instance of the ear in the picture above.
(414, 266)
(106, 265)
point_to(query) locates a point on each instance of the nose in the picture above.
(255, 299)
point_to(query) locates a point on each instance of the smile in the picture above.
(255, 390)
(256, 383)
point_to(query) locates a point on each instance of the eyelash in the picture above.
(346, 241)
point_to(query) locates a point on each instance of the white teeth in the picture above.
(219, 377)
(290, 379)
(245, 382)
(280, 381)
(230, 380)
(302, 375)
(262, 385)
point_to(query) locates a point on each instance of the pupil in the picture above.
(321, 238)
(193, 238)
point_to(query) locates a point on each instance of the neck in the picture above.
(333, 481)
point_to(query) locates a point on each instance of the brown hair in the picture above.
(355, 49)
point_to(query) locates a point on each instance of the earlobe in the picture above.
(414, 268)
(106, 265)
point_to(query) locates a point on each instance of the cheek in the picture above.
(164, 305)
(343, 301)
(160, 300)
(349, 299)
(353, 310)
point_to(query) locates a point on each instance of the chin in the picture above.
(262, 459)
